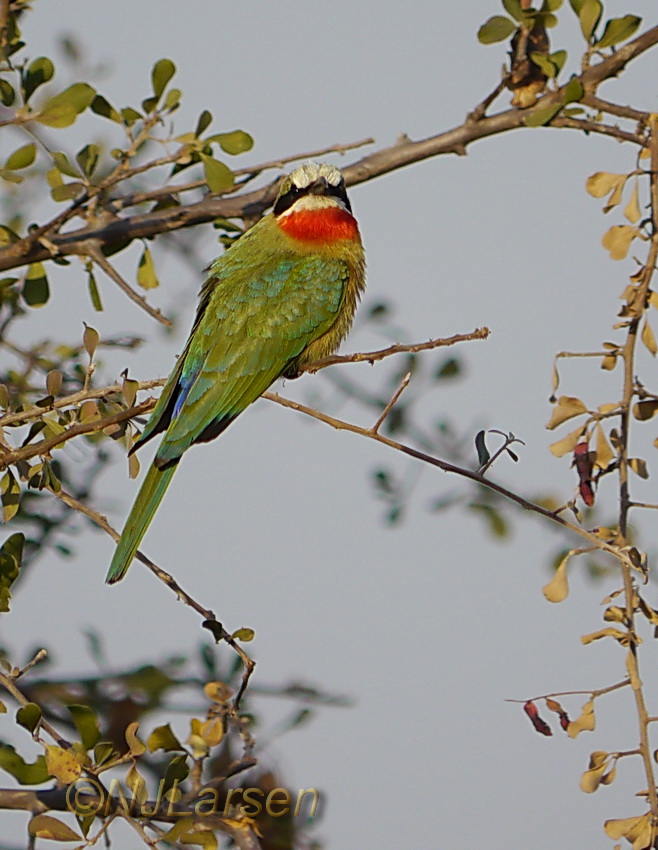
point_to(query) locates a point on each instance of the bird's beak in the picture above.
(319, 187)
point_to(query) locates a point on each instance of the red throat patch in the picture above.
(326, 225)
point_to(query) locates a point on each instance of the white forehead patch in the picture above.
(307, 174)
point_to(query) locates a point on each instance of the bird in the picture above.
(282, 296)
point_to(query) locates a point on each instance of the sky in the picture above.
(432, 625)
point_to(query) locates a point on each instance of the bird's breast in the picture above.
(317, 226)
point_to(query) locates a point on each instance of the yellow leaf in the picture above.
(609, 362)
(614, 614)
(616, 196)
(46, 826)
(632, 211)
(62, 764)
(133, 466)
(585, 723)
(653, 299)
(217, 692)
(608, 408)
(623, 827)
(557, 588)
(622, 637)
(602, 183)
(604, 453)
(649, 339)
(618, 240)
(137, 785)
(591, 779)
(645, 409)
(567, 444)
(639, 467)
(146, 275)
(566, 408)
(136, 747)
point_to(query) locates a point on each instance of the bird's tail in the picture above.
(150, 495)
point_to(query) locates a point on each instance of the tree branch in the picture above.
(399, 155)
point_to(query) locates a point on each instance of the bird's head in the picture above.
(316, 185)
(312, 204)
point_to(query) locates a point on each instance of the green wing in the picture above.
(249, 330)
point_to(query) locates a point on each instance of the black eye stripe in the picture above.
(286, 200)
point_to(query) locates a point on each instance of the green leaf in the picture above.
(542, 116)
(544, 63)
(245, 635)
(103, 752)
(62, 109)
(86, 723)
(513, 8)
(46, 826)
(11, 495)
(449, 368)
(576, 5)
(87, 159)
(618, 29)
(172, 100)
(233, 143)
(38, 72)
(589, 15)
(497, 28)
(66, 191)
(162, 72)
(22, 157)
(480, 444)
(104, 108)
(36, 291)
(79, 96)
(10, 176)
(94, 292)
(62, 162)
(551, 5)
(60, 115)
(130, 115)
(573, 91)
(7, 93)
(204, 121)
(176, 771)
(28, 716)
(146, 276)
(558, 59)
(496, 521)
(26, 774)
(162, 738)
(218, 176)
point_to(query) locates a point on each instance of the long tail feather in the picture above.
(150, 495)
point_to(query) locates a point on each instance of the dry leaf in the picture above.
(604, 453)
(649, 339)
(46, 826)
(618, 240)
(557, 588)
(566, 408)
(62, 764)
(632, 211)
(603, 182)
(567, 444)
(585, 723)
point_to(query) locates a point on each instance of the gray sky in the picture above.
(432, 625)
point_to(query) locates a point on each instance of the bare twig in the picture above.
(96, 255)
(210, 621)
